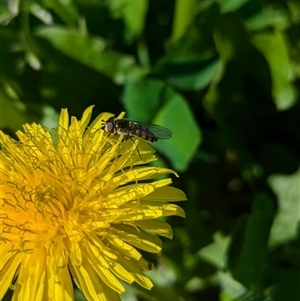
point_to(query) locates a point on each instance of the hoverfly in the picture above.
(148, 132)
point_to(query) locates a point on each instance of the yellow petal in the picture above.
(85, 119)
(63, 123)
(155, 226)
(8, 272)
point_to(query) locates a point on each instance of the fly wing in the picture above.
(157, 131)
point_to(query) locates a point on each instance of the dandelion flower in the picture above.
(79, 204)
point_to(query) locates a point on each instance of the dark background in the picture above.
(224, 77)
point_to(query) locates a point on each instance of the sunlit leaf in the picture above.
(133, 14)
(287, 188)
(232, 5)
(8, 10)
(185, 11)
(41, 13)
(88, 51)
(215, 252)
(231, 289)
(281, 71)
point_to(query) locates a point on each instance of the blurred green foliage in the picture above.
(224, 76)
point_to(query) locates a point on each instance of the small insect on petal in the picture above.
(148, 132)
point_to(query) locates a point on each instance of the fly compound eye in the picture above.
(109, 127)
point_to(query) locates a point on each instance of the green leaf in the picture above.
(41, 13)
(231, 289)
(88, 51)
(236, 244)
(287, 188)
(254, 251)
(142, 99)
(185, 12)
(177, 116)
(215, 252)
(133, 14)
(190, 72)
(280, 67)
(232, 5)
(8, 10)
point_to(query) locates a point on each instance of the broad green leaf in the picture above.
(287, 188)
(88, 51)
(254, 251)
(133, 14)
(142, 99)
(185, 11)
(236, 245)
(281, 71)
(178, 117)
(231, 289)
(163, 278)
(215, 252)
(65, 40)
(190, 72)
(8, 10)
